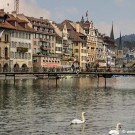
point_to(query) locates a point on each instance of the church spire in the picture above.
(112, 34)
(120, 42)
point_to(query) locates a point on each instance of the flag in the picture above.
(1, 33)
(87, 13)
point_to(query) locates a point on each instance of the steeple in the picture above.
(112, 34)
(120, 43)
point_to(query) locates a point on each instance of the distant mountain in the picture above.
(128, 41)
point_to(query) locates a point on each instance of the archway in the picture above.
(5, 67)
(24, 68)
(16, 68)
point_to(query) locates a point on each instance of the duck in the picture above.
(116, 131)
(77, 121)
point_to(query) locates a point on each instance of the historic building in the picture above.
(78, 44)
(63, 45)
(44, 37)
(5, 39)
(95, 44)
(44, 43)
(21, 44)
(89, 31)
(17, 44)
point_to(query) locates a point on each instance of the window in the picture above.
(29, 56)
(29, 36)
(16, 34)
(13, 34)
(26, 36)
(6, 52)
(83, 58)
(76, 50)
(83, 50)
(29, 46)
(6, 38)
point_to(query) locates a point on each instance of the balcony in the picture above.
(22, 49)
(6, 57)
(44, 40)
(45, 48)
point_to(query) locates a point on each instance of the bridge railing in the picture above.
(43, 70)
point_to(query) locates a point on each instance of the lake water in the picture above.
(37, 107)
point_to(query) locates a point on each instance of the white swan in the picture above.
(77, 121)
(117, 131)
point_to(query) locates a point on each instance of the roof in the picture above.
(6, 25)
(43, 22)
(76, 37)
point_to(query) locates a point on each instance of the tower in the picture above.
(120, 47)
(112, 34)
(120, 50)
(16, 6)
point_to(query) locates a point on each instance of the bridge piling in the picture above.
(105, 81)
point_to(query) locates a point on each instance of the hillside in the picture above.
(128, 41)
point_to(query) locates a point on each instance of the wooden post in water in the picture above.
(14, 79)
(105, 81)
(56, 79)
(48, 78)
(5, 77)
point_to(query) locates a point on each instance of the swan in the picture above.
(116, 132)
(77, 121)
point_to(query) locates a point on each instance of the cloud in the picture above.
(33, 9)
(27, 7)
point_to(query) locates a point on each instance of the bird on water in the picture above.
(77, 121)
(116, 131)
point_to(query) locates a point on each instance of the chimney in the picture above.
(2, 10)
(41, 18)
(14, 13)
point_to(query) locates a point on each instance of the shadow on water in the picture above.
(36, 107)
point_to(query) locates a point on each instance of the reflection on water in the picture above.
(39, 108)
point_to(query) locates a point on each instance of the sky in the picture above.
(103, 13)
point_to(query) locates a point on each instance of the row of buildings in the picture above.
(28, 42)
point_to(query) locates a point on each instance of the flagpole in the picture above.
(87, 14)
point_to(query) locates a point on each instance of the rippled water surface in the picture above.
(38, 107)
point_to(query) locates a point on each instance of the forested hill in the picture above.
(128, 41)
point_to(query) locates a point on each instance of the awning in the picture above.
(51, 65)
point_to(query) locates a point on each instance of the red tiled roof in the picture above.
(11, 18)
(43, 22)
(6, 25)
(76, 37)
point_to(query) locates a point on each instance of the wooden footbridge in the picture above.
(57, 75)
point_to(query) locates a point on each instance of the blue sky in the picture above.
(101, 12)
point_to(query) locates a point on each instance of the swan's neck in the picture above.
(117, 128)
(83, 118)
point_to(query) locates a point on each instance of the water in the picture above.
(36, 107)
